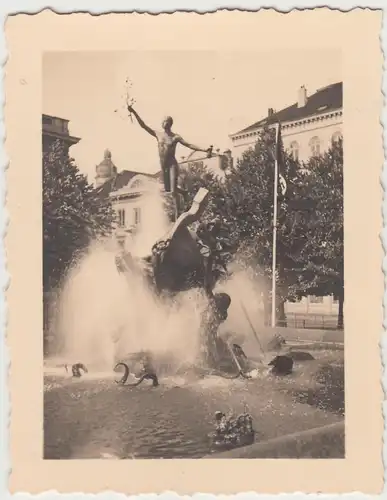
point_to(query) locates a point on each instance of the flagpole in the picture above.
(274, 259)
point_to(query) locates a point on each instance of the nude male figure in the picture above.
(167, 142)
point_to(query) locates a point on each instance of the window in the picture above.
(313, 299)
(121, 218)
(337, 136)
(136, 184)
(294, 150)
(315, 146)
(197, 164)
(47, 120)
(137, 216)
(60, 124)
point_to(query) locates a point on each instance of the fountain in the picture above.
(152, 295)
(154, 306)
(153, 309)
(184, 260)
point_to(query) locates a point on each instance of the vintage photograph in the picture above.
(193, 254)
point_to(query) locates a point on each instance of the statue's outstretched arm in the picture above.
(191, 146)
(141, 122)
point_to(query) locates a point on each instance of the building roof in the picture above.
(44, 115)
(69, 139)
(51, 128)
(121, 180)
(326, 99)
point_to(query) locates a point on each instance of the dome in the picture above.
(106, 169)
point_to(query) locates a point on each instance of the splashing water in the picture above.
(245, 292)
(104, 316)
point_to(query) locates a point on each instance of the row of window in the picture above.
(57, 123)
(314, 145)
(314, 299)
(122, 220)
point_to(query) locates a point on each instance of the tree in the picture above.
(309, 222)
(310, 255)
(321, 260)
(191, 179)
(73, 214)
(244, 202)
(250, 185)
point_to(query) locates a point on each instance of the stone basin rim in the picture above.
(336, 429)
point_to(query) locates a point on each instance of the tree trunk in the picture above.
(340, 319)
(281, 316)
(266, 308)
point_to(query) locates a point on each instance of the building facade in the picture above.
(308, 126)
(313, 305)
(127, 191)
(217, 164)
(55, 128)
(130, 203)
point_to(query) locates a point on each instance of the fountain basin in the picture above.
(326, 441)
(83, 418)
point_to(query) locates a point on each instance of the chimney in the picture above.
(302, 97)
(270, 112)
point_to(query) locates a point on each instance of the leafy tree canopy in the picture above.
(309, 222)
(73, 214)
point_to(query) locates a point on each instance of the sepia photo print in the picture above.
(193, 255)
(194, 252)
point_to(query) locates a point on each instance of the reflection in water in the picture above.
(86, 418)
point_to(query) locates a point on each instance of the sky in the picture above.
(209, 95)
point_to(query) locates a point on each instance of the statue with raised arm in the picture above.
(167, 142)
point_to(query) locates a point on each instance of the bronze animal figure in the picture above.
(300, 355)
(76, 369)
(145, 376)
(282, 365)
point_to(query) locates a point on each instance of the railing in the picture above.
(311, 321)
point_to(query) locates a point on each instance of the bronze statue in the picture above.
(167, 142)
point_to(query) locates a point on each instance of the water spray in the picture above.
(236, 361)
(252, 328)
